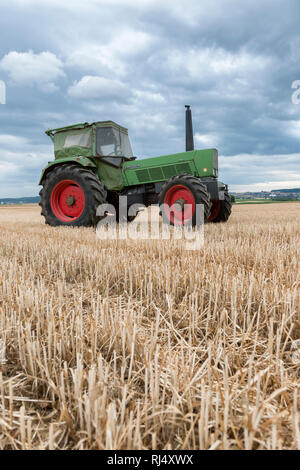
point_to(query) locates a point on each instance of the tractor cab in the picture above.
(105, 140)
(113, 144)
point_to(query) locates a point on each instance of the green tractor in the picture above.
(94, 165)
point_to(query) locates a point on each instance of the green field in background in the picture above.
(263, 201)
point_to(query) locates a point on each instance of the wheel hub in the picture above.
(180, 203)
(71, 201)
(67, 200)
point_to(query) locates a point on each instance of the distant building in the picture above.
(281, 194)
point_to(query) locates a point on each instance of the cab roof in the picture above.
(85, 125)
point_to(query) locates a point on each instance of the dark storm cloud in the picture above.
(138, 64)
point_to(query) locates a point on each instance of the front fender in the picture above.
(83, 161)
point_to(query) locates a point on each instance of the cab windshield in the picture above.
(113, 142)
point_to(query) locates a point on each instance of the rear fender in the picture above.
(83, 161)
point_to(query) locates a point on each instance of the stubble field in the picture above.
(145, 345)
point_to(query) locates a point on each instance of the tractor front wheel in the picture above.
(70, 196)
(179, 198)
(221, 210)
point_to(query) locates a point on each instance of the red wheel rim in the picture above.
(214, 211)
(67, 201)
(180, 204)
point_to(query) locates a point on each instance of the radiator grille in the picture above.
(156, 173)
(162, 173)
(143, 176)
(182, 168)
(169, 171)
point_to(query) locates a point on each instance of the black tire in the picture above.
(93, 190)
(195, 186)
(225, 209)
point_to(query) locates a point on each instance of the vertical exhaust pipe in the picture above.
(189, 136)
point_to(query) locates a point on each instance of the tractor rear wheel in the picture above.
(224, 209)
(179, 191)
(70, 196)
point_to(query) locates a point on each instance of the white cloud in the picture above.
(203, 63)
(109, 57)
(207, 140)
(7, 169)
(243, 161)
(12, 140)
(97, 88)
(96, 59)
(155, 123)
(90, 5)
(293, 128)
(149, 96)
(21, 164)
(260, 172)
(129, 42)
(27, 68)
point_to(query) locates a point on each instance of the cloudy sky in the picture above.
(138, 63)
